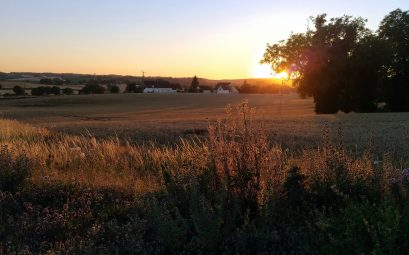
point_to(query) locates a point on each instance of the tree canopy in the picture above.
(194, 87)
(92, 89)
(394, 30)
(345, 66)
(45, 90)
(18, 90)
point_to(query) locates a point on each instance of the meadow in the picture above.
(275, 179)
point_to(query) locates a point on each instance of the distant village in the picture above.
(13, 84)
(160, 86)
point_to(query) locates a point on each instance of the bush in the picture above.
(362, 228)
(45, 90)
(18, 90)
(46, 81)
(133, 88)
(68, 91)
(92, 89)
(114, 89)
(54, 81)
(56, 90)
(13, 171)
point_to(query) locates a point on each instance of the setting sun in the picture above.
(264, 71)
(281, 75)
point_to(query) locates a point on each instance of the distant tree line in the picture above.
(345, 66)
(247, 88)
(41, 91)
(45, 90)
(52, 81)
(94, 86)
(92, 89)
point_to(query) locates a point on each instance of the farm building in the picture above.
(160, 86)
(225, 88)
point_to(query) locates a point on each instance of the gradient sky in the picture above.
(180, 38)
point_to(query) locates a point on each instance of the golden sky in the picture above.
(180, 38)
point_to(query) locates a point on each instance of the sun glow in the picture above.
(264, 71)
(281, 75)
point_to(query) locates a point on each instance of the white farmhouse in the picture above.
(160, 87)
(225, 88)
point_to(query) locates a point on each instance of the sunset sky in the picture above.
(180, 38)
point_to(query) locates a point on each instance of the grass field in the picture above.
(165, 117)
(285, 185)
(236, 192)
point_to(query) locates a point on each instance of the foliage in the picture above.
(114, 89)
(194, 86)
(344, 66)
(248, 88)
(236, 192)
(52, 81)
(13, 171)
(394, 30)
(68, 91)
(18, 90)
(45, 90)
(133, 88)
(92, 89)
(46, 81)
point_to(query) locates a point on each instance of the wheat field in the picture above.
(164, 118)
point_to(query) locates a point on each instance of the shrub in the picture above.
(92, 89)
(45, 90)
(67, 91)
(13, 170)
(56, 90)
(133, 88)
(114, 89)
(362, 228)
(46, 81)
(18, 90)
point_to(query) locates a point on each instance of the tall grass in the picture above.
(236, 191)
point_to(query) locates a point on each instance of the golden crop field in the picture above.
(166, 117)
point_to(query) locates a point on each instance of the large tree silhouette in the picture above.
(321, 61)
(394, 30)
(344, 66)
